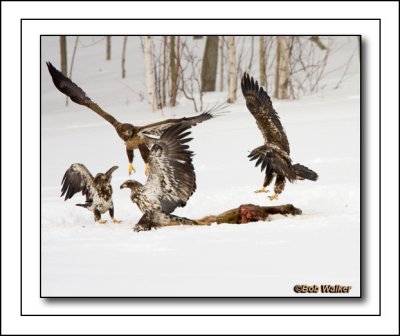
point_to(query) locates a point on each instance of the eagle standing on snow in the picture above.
(274, 155)
(98, 190)
(133, 136)
(171, 180)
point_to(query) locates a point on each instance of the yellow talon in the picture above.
(273, 197)
(147, 169)
(262, 190)
(131, 169)
(116, 221)
(102, 221)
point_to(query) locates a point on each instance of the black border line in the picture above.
(220, 298)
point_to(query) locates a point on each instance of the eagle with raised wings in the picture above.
(171, 180)
(133, 136)
(274, 154)
(97, 190)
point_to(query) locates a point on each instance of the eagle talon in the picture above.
(262, 190)
(131, 169)
(273, 197)
(102, 221)
(116, 221)
(147, 169)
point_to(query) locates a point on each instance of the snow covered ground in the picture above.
(322, 246)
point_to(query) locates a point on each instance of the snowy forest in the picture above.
(314, 85)
(288, 67)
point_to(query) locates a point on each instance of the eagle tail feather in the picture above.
(304, 172)
(85, 205)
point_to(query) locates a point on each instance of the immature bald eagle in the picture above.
(133, 136)
(98, 190)
(171, 180)
(274, 155)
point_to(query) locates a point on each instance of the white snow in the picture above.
(322, 246)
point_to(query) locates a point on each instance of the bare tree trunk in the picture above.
(232, 69)
(108, 48)
(123, 56)
(150, 75)
(251, 54)
(72, 64)
(63, 54)
(277, 66)
(263, 68)
(209, 66)
(177, 63)
(221, 58)
(164, 73)
(172, 71)
(282, 75)
(73, 56)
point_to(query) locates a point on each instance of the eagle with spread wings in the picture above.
(274, 154)
(134, 137)
(98, 190)
(171, 180)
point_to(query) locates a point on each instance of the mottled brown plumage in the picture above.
(133, 136)
(274, 155)
(171, 180)
(97, 190)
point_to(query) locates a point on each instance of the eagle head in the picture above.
(126, 131)
(135, 186)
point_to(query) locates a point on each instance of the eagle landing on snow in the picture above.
(98, 190)
(170, 183)
(133, 136)
(274, 154)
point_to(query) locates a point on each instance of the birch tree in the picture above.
(232, 69)
(150, 75)
(262, 59)
(221, 63)
(123, 56)
(174, 78)
(282, 73)
(164, 73)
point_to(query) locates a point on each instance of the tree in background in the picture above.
(190, 83)
(150, 74)
(123, 56)
(262, 60)
(174, 62)
(63, 54)
(232, 69)
(221, 63)
(282, 72)
(108, 48)
(209, 66)
(164, 73)
(288, 67)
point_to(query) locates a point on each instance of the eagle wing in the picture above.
(273, 159)
(156, 129)
(77, 178)
(109, 172)
(77, 95)
(172, 179)
(260, 106)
